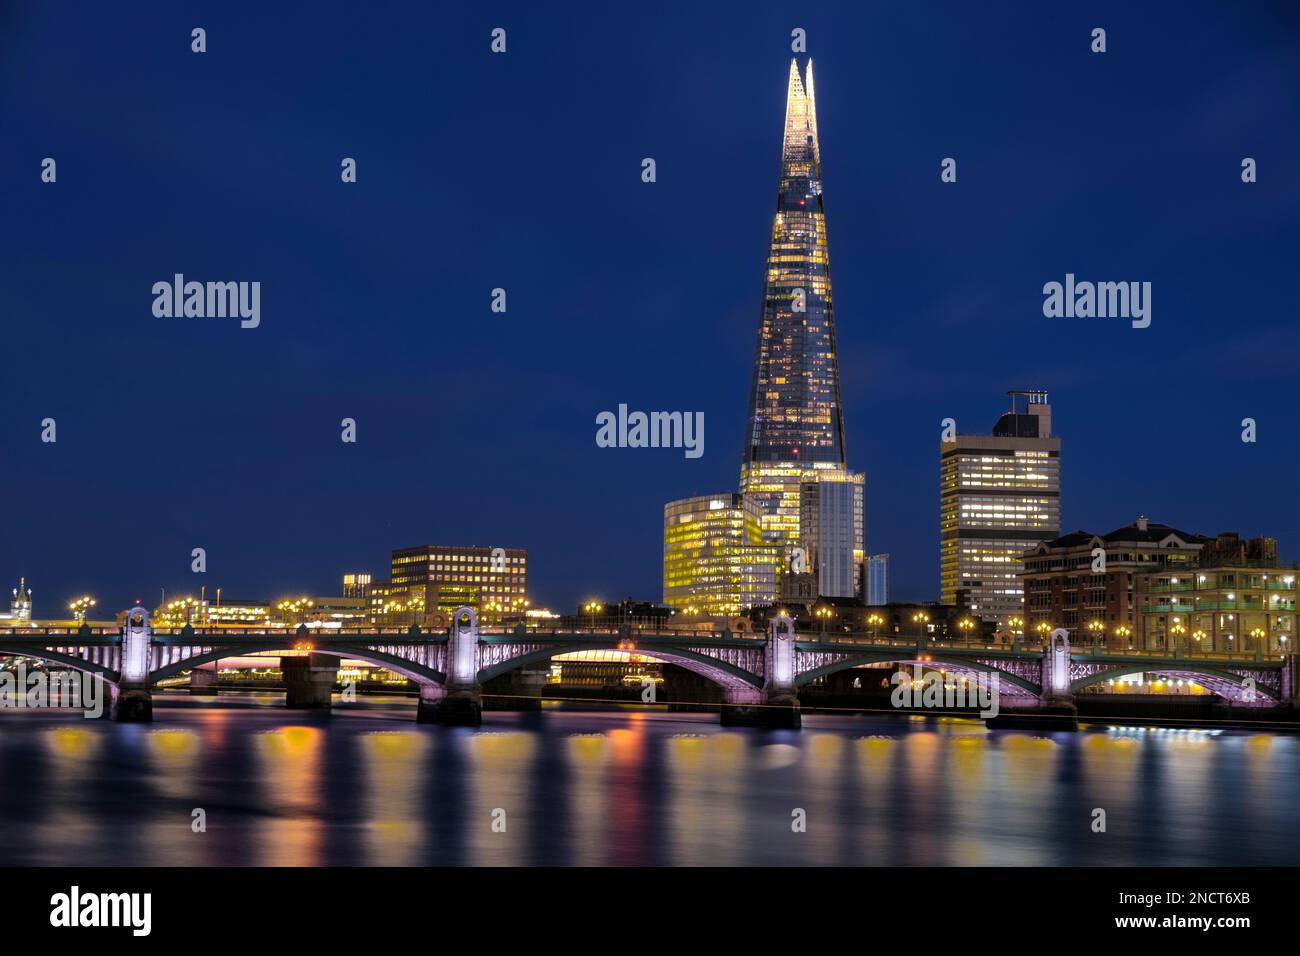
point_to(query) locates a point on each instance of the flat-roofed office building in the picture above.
(830, 527)
(716, 562)
(440, 578)
(1000, 495)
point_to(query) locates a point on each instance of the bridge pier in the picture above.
(771, 714)
(776, 706)
(431, 695)
(133, 705)
(520, 690)
(132, 700)
(1056, 708)
(309, 681)
(460, 703)
(458, 708)
(203, 680)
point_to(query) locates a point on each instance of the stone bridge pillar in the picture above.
(519, 690)
(1290, 696)
(132, 700)
(1055, 709)
(776, 705)
(309, 681)
(1056, 668)
(1056, 701)
(203, 680)
(461, 703)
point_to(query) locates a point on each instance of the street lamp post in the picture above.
(965, 625)
(1124, 632)
(1175, 634)
(80, 606)
(1017, 626)
(822, 614)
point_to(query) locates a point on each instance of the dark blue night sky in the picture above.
(523, 171)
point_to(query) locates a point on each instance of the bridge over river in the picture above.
(760, 674)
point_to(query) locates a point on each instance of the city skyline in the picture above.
(244, 460)
(432, 437)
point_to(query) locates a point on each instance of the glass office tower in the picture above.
(715, 561)
(794, 428)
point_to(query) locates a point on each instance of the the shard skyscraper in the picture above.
(794, 469)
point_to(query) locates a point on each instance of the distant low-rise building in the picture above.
(1062, 589)
(903, 621)
(434, 580)
(20, 605)
(1238, 597)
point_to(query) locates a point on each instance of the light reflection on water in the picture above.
(366, 785)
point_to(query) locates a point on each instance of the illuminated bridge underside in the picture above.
(736, 667)
(103, 660)
(1250, 686)
(1016, 678)
(423, 662)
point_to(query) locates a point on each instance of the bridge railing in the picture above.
(1179, 654)
(73, 632)
(1032, 646)
(907, 640)
(67, 636)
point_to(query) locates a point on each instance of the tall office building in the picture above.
(1000, 495)
(830, 528)
(715, 560)
(878, 579)
(794, 433)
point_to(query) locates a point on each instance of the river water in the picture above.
(367, 785)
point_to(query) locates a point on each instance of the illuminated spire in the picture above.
(812, 114)
(794, 402)
(800, 145)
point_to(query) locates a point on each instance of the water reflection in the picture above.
(366, 785)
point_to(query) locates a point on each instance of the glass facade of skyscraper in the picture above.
(715, 561)
(795, 425)
(830, 527)
(878, 579)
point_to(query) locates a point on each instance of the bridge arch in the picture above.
(1224, 683)
(67, 660)
(956, 664)
(409, 669)
(726, 675)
